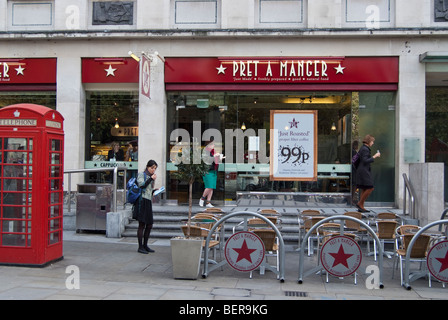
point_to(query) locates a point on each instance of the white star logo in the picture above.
(110, 71)
(221, 69)
(339, 69)
(20, 70)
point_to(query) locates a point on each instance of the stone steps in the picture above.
(168, 220)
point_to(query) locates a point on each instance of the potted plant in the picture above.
(186, 251)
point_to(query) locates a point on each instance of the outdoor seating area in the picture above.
(322, 238)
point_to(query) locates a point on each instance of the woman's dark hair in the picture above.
(151, 163)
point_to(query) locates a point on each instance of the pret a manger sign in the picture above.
(293, 145)
(281, 70)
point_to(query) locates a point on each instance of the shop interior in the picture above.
(245, 111)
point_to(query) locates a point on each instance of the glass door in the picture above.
(16, 170)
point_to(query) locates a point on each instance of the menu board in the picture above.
(293, 145)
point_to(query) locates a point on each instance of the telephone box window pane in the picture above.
(55, 158)
(13, 198)
(55, 184)
(55, 172)
(14, 226)
(55, 197)
(54, 237)
(14, 184)
(15, 144)
(55, 145)
(16, 212)
(16, 157)
(21, 185)
(15, 171)
(54, 224)
(54, 211)
(15, 240)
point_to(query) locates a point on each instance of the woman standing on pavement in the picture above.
(364, 180)
(145, 180)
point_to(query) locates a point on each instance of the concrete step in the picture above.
(167, 225)
(168, 220)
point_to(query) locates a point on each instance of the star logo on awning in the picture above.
(20, 70)
(221, 69)
(339, 69)
(110, 71)
(244, 252)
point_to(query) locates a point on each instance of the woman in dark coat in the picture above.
(145, 180)
(364, 180)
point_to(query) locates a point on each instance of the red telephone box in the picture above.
(31, 192)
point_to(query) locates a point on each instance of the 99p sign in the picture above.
(293, 145)
(294, 154)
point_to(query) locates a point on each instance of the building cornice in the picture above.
(222, 33)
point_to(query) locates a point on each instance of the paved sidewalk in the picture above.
(112, 269)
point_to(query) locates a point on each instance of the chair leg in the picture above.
(394, 266)
(401, 270)
(309, 246)
(374, 249)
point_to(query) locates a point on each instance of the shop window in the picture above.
(437, 128)
(112, 118)
(342, 118)
(43, 98)
(248, 170)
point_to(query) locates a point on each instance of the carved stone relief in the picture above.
(113, 13)
(441, 10)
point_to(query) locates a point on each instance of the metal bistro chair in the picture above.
(207, 220)
(360, 231)
(418, 254)
(268, 211)
(387, 215)
(402, 230)
(326, 231)
(196, 231)
(270, 241)
(213, 210)
(305, 214)
(386, 233)
(308, 224)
